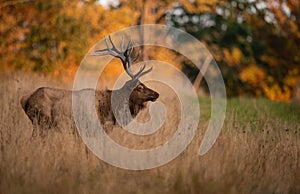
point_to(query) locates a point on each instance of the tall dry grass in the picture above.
(258, 151)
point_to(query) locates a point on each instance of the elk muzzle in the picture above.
(153, 97)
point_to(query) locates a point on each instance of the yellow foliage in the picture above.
(227, 56)
(274, 92)
(252, 75)
(236, 55)
(199, 5)
(233, 57)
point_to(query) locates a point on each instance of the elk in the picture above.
(44, 104)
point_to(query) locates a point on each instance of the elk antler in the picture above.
(124, 56)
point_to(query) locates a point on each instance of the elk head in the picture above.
(143, 94)
(139, 92)
(134, 95)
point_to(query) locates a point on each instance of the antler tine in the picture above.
(107, 45)
(124, 55)
(129, 43)
(99, 54)
(129, 48)
(130, 61)
(140, 71)
(145, 72)
(114, 48)
(122, 43)
(128, 52)
(128, 69)
(101, 51)
(110, 51)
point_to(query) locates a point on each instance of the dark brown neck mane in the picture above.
(135, 106)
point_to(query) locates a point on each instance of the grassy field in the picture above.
(258, 151)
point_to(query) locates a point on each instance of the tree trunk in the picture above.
(148, 17)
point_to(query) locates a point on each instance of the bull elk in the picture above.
(45, 103)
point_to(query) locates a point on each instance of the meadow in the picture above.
(258, 151)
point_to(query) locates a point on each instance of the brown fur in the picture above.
(46, 106)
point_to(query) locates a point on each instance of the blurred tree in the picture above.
(52, 36)
(255, 43)
(39, 35)
(277, 27)
(258, 54)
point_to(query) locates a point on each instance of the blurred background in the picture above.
(255, 43)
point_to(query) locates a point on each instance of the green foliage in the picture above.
(257, 57)
(254, 111)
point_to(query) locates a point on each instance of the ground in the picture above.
(258, 151)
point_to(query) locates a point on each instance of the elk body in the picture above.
(45, 104)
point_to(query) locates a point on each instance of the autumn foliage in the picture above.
(255, 43)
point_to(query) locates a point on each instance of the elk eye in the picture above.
(140, 87)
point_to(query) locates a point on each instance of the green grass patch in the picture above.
(253, 111)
